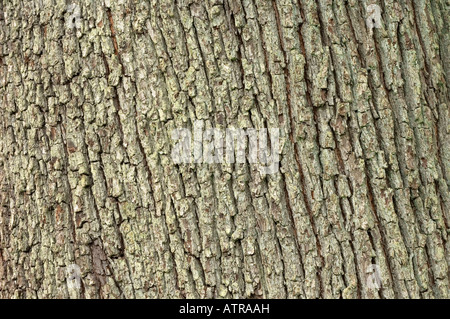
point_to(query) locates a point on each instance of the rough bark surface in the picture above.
(86, 175)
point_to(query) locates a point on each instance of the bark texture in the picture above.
(86, 175)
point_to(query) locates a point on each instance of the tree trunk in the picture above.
(93, 205)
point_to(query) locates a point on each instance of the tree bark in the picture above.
(88, 101)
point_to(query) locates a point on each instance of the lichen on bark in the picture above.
(88, 101)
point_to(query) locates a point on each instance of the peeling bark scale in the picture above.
(93, 206)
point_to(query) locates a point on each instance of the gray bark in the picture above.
(88, 103)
